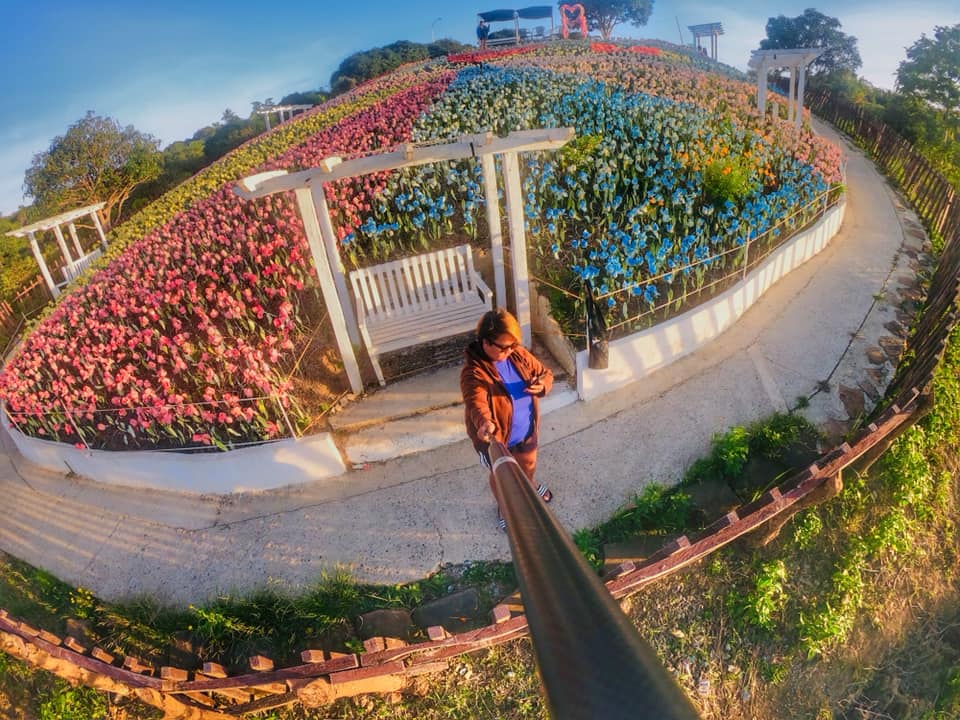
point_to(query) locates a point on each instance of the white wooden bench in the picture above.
(417, 299)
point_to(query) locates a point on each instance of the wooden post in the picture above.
(802, 68)
(63, 246)
(518, 242)
(96, 223)
(762, 89)
(44, 270)
(76, 241)
(791, 96)
(488, 166)
(311, 227)
(333, 258)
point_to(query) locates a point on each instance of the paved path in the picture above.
(400, 519)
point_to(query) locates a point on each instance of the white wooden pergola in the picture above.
(707, 30)
(74, 266)
(797, 59)
(307, 186)
(284, 111)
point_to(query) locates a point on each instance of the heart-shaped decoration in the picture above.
(573, 15)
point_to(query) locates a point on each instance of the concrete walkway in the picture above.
(400, 519)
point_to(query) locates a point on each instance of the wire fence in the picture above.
(88, 423)
(739, 260)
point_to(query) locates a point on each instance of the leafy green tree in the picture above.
(604, 15)
(368, 64)
(446, 46)
(180, 160)
(931, 73)
(230, 132)
(97, 160)
(813, 29)
(309, 97)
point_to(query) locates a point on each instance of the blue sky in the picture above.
(170, 70)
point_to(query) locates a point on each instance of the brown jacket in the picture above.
(486, 398)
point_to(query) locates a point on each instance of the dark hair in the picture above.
(498, 322)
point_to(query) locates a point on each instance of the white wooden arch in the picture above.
(707, 30)
(284, 111)
(797, 60)
(307, 185)
(73, 266)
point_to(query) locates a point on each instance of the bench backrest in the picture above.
(402, 287)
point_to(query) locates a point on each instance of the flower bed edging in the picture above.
(635, 357)
(263, 467)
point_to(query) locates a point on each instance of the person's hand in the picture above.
(486, 431)
(536, 386)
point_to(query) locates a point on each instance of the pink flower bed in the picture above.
(178, 341)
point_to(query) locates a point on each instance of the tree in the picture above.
(604, 15)
(308, 97)
(232, 131)
(368, 64)
(446, 46)
(97, 160)
(931, 73)
(814, 30)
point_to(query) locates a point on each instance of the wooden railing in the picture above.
(388, 664)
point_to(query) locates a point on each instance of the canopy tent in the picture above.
(535, 12)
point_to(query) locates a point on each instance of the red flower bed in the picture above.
(645, 50)
(488, 55)
(601, 47)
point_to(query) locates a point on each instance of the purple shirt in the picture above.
(522, 402)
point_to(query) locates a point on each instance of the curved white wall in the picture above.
(636, 356)
(273, 465)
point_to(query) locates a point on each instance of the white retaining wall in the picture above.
(273, 465)
(637, 356)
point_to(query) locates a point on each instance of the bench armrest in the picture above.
(481, 287)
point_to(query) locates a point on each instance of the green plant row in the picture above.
(916, 495)
(660, 511)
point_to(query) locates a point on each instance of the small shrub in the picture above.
(766, 599)
(731, 451)
(69, 703)
(772, 436)
(727, 180)
(580, 150)
(807, 527)
(588, 542)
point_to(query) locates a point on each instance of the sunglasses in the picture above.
(502, 348)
